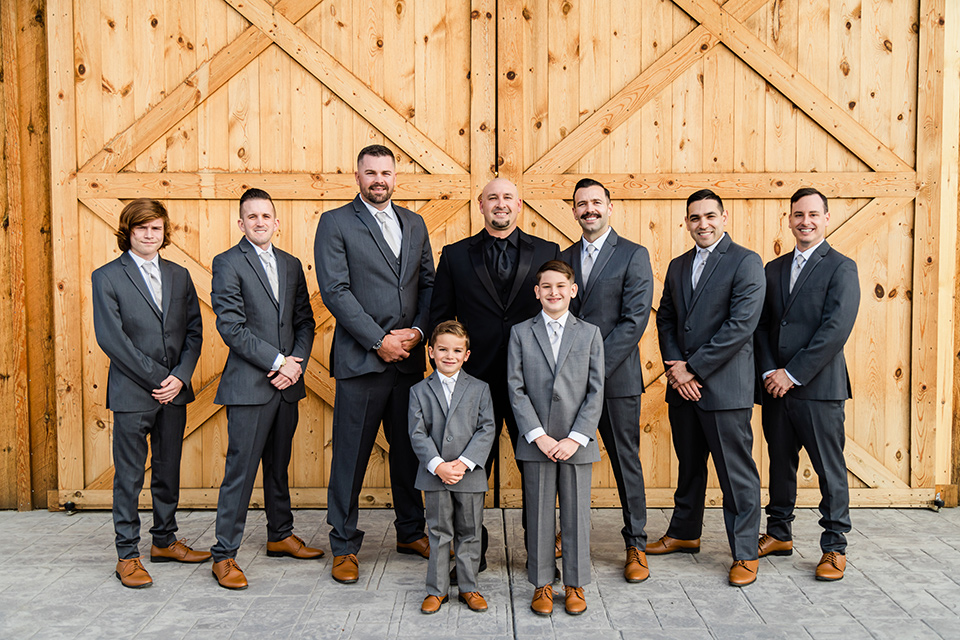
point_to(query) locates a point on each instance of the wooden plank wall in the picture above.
(27, 435)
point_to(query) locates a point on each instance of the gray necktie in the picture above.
(389, 232)
(448, 384)
(702, 254)
(270, 266)
(554, 338)
(798, 263)
(588, 260)
(153, 279)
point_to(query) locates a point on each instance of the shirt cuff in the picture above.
(792, 379)
(421, 333)
(579, 438)
(471, 465)
(277, 362)
(536, 433)
(433, 464)
(766, 374)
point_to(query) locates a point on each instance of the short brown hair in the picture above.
(556, 265)
(376, 151)
(452, 328)
(138, 212)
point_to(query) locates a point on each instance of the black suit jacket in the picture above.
(712, 328)
(617, 299)
(804, 331)
(464, 291)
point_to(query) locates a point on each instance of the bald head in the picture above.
(500, 206)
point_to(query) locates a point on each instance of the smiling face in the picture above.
(705, 221)
(555, 291)
(500, 205)
(592, 210)
(808, 221)
(258, 221)
(449, 352)
(146, 238)
(376, 176)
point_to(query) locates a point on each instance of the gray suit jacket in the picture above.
(617, 299)
(804, 331)
(465, 429)
(256, 326)
(367, 291)
(712, 328)
(143, 344)
(562, 397)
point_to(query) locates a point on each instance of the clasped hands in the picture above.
(397, 344)
(778, 383)
(451, 472)
(682, 380)
(557, 450)
(168, 390)
(287, 374)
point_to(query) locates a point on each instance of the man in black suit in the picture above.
(264, 316)
(614, 292)
(487, 282)
(712, 297)
(811, 305)
(375, 271)
(147, 320)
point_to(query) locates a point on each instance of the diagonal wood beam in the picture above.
(871, 471)
(189, 94)
(559, 214)
(803, 93)
(626, 102)
(862, 225)
(348, 87)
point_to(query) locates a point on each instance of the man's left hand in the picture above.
(168, 390)
(409, 337)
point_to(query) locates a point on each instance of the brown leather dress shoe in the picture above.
(666, 544)
(419, 547)
(743, 572)
(635, 569)
(474, 600)
(228, 575)
(542, 603)
(177, 552)
(575, 604)
(431, 604)
(345, 569)
(558, 547)
(294, 547)
(831, 566)
(132, 575)
(770, 546)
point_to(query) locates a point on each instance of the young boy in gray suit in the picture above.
(555, 377)
(452, 431)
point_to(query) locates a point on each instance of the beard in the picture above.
(376, 197)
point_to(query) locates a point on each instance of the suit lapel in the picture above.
(434, 383)
(374, 228)
(406, 231)
(713, 259)
(253, 258)
(281, 278)
(458, 391)
(166, 285)
(808, 268)
(609, 246)
(570, 331)
(540, 333)
(525, 258)
(686, 273)
(785, 267)
(136, 277)
(476, 259)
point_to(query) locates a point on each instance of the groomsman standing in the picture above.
(811, 304)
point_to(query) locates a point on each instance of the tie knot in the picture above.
(381, 217)
(591, 250)
(800, 259)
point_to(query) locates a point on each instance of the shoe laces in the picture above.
(545, 591)
(743, 563)
(832, 557)
(633, 555)
(231, 564)
(350, 556)
(577, 591)
(133, 565)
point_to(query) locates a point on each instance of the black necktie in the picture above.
(503, 260)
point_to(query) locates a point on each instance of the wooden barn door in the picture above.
(752, 98)
(193, 101)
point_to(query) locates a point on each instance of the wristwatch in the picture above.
(379, 343)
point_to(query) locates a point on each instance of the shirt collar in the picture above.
(140, 261)
(562, 319)
(714, 245)
(374, 211)
(513, 238)
(806, 254)
(446, 377)
(260, 251)
(598, 243)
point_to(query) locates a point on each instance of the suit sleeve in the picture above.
(667, 321)
(425, 284)
(304, 325)
(423, 445)
(333, 278)
(746, 302)
(443, 302)
(123, 353)
(763, 355)
(839, 313)
(588, 416)
(226, 298)
(481, 443)
(523, 411)
(193, 339)
(635, 305)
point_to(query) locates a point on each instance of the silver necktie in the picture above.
(702, 254)
(448, 384)
(587, 265)
(389, 232)
(270, 266)
(555, 338)
(153, 271)
(797, 268)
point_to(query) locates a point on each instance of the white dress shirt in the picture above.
(437, 460)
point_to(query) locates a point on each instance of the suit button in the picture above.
(556, 398)
(686, 328)
(281, 324)
(403, 315)
(401, 288)
(506, 319)
(449, 438)
(783, 323)
(164, 358)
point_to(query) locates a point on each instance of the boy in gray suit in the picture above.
(555, 377)
(451, 431)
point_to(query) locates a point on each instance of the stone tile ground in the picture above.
(902, 582)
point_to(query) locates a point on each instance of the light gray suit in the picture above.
(454, 511)
(261, 419)
(617, 299)
(561, 396)
(804, 332)
(145, 345)
(371, 292)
